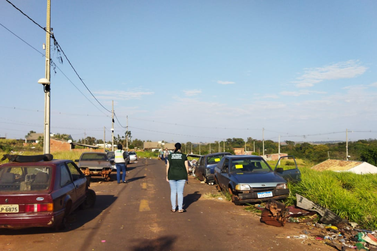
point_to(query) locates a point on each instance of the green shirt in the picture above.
(177, 168)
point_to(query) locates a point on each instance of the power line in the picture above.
(23, 40)
(60, 49)
(54, 65)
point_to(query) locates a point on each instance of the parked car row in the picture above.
(247, 178)
(38, 191)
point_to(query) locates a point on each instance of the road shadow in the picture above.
(135, 178)
(75, 220)
(191, 198)
(159, 244)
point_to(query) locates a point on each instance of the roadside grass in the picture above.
(153, 155)
(351, 196)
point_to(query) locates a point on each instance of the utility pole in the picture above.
(46, 83)
(279, 146)
(254, 146)
(219, 147)
(104, 139)
(209, 147)
(347, 144)
(127, 134)
(224, 145)
(199, 148)
(263, 141)
(112, 127)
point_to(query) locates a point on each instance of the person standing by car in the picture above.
(120, 163)
(176, 175)
(166, 155)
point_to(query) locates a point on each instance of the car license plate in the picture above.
(8, 208)
(264, 194)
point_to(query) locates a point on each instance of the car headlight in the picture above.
(242, 187)
(281, 186)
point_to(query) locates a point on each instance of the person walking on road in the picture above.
(166, 155)
(120, 163)
(176, 175)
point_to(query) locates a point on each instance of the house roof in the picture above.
(336, 165)
(35, 136)
(151, 145)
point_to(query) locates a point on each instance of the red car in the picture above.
(38, 191)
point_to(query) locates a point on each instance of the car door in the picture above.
(222, 173)
(199, 169)
(79, 181)
(67, 190)
(287, 168)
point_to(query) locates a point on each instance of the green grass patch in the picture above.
(351, 196)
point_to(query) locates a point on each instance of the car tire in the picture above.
(218, 187)
(236, 202)
(90, 200)
(63, 223)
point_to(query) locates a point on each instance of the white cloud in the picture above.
(348, 69)
(300, 93)
(192, 92)
(123, 95)
(225, 82)
(373, 84)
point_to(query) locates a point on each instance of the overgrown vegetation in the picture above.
(351, 196)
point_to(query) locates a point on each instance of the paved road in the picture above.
(136, 216)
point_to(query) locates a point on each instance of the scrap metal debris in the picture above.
(328, 217)
(274, 213)
(330, 228)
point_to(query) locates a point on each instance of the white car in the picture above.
(133, 156)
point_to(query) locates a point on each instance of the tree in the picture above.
(29, 133)
(369, 155)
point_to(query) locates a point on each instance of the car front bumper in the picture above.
(252, 197)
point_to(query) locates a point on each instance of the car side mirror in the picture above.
(279, 169)
(112, 162)
(76, 160)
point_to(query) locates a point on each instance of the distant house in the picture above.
(156, 146)
(357, 167)
(34, 137)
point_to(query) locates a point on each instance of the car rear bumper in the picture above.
(97, 172)
(23, 220)
(252, 197)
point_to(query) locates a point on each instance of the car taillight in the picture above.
(45, 207)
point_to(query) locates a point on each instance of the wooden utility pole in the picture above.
(46, 83)
(112, 127)
(127, 134)
(263, 141)
(104, 139)
(347, 144)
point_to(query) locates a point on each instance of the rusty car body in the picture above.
(250, 179)
(96, 164)
(205, 167)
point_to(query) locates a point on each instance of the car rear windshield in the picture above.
(21, 178)
(93, 156)
(215, 159)
(132, 153)
(250, 165)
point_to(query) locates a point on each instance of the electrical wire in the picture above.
(56, 43)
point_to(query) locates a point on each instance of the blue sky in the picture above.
(199, 71)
